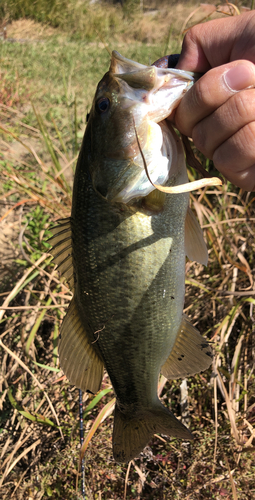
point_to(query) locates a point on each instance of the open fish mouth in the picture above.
(141, 99)
(160, 89)
(163, 155)
(150, 93)
(128, 130)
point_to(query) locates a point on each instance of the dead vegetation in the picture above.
(39, 439)
(147, 22)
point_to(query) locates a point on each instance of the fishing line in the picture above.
(83, 492)
(182, 188)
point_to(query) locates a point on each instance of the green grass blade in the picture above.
(36, 326)
(60, 138)
(46, 367)
(96, 400)
(55, 343)
(104, 413)
(76, 147)
(40, 419)
(47, 141)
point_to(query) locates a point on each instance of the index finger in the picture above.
(211, 91)
(218, 42)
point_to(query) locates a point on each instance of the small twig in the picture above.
(237, 294)
(227, 221)
(8, 330)
(65, 167)
(101, 329)
(216, 421)
(97, 332)
(233, 486)
(185, 416)
(231, 412)
(126, 479)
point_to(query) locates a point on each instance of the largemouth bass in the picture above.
(123, 253)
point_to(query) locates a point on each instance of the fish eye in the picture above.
(103, 104)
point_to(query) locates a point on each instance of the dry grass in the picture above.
(158, 22)
(35, 399)
(39, 443)
(28, 29)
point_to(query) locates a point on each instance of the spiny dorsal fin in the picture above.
(62, 249)
(195, 246)
(78, 358)
(191, 353)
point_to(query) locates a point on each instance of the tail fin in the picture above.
(131, 435)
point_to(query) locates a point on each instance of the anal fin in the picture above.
(191, 353)
(78, 358)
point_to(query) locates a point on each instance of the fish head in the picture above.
(129, 106)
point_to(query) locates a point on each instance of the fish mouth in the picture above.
(148, 93)
(121, 64)
(134, 183)
(160, 89)
(142, 97)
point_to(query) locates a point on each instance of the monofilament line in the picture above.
(81, 443)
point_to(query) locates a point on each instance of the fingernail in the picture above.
(239, 77)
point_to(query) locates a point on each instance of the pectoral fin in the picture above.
(195, 246)
(62, 249)
(78, 359)
(191, 353)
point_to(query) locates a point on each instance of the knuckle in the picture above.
(242, 106)
(200, 138)
(190, 37)
(220, 159)
(246, 139)
(203, 93)
(238, 150)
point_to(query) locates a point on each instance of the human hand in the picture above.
(218, 112)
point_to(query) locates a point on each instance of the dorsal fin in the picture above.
(195, 246)
(191, 353)
(62, 249)
(77, 357)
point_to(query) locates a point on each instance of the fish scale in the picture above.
(134, 266)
